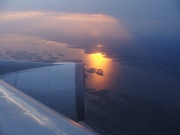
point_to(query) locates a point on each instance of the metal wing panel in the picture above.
(22, 115)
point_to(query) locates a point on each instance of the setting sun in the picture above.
(98, 56)
(98, 59)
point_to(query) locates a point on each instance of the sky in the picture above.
(150, 16)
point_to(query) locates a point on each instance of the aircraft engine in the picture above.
(59, 86)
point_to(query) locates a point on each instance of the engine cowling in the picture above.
(59, 86)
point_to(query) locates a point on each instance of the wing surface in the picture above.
(23, 115)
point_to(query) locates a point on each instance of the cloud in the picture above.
(71, 25)
(134, 15)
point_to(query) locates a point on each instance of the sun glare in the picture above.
(98, 60)
(98, 55)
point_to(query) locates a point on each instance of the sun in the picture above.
(98, 56)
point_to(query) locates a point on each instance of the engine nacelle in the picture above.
(59, 86)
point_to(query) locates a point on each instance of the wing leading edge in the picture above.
(22, 115)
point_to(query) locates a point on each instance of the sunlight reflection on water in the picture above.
(105, 69)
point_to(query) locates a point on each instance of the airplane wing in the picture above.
(36, 98)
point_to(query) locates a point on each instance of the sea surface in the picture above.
(132, 76)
